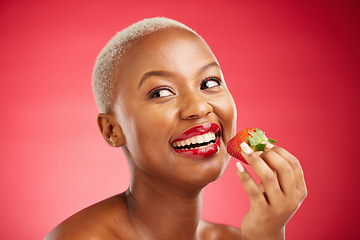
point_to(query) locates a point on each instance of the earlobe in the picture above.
(110, 130)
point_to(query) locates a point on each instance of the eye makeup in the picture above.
(160, 92)
(210, 82)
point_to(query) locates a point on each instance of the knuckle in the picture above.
(285, 167)
(294, 163)
(253, 158)
(269, 176)
(288, 208)
(256, 194)
(294, 207)
(303, 194)
(245, 177)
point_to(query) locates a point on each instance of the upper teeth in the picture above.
(207, 137)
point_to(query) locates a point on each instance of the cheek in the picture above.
(226, 110)
(151, 131)
(156, 121)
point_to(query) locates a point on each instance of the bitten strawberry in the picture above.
(254, 137)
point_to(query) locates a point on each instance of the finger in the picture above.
(265, 173)
(261, 188)
(283, 170)
(295, 164)
(255, 194)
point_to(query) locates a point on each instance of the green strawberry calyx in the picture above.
(257, 139)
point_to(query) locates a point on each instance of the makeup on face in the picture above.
(198, 142)
(175, 110)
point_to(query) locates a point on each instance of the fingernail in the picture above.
(268, 145)
(246, 148)
(239, 167)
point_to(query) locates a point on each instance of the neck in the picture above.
(161, 211)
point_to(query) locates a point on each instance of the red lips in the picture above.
(202, 152)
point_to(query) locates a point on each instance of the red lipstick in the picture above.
(207, 146)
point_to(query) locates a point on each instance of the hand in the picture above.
(275, 200)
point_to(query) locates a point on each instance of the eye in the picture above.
(160, 92)
(210, 83)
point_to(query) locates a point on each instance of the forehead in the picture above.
(174, 50)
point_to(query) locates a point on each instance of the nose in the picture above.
(194, 106)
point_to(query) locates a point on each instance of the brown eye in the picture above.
(210, 83)
(162, 92)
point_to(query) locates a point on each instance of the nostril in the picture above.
(194, 107)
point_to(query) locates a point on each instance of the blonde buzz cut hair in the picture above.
(106, 64)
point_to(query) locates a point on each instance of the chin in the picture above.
(209, 170)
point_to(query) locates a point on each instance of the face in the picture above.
(174, 109)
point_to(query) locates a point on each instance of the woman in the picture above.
(163, 99)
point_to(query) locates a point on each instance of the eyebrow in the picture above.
(161, 73)
(154, 73)
(207, 66)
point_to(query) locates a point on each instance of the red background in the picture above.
(293, 69)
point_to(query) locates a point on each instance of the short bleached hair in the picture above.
(106, 64)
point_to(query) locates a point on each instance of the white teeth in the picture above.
(207, 137)
(201, 138)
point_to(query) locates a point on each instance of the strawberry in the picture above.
(254, 137)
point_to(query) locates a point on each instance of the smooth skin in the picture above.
(170, 81)
(280, 193)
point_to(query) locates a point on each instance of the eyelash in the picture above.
(159, 89)
(213, 78)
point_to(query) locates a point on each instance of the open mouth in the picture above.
(198, 142)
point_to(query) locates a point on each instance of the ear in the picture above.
(110, 130)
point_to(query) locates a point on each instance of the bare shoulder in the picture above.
(99, 221)
(213, 231)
